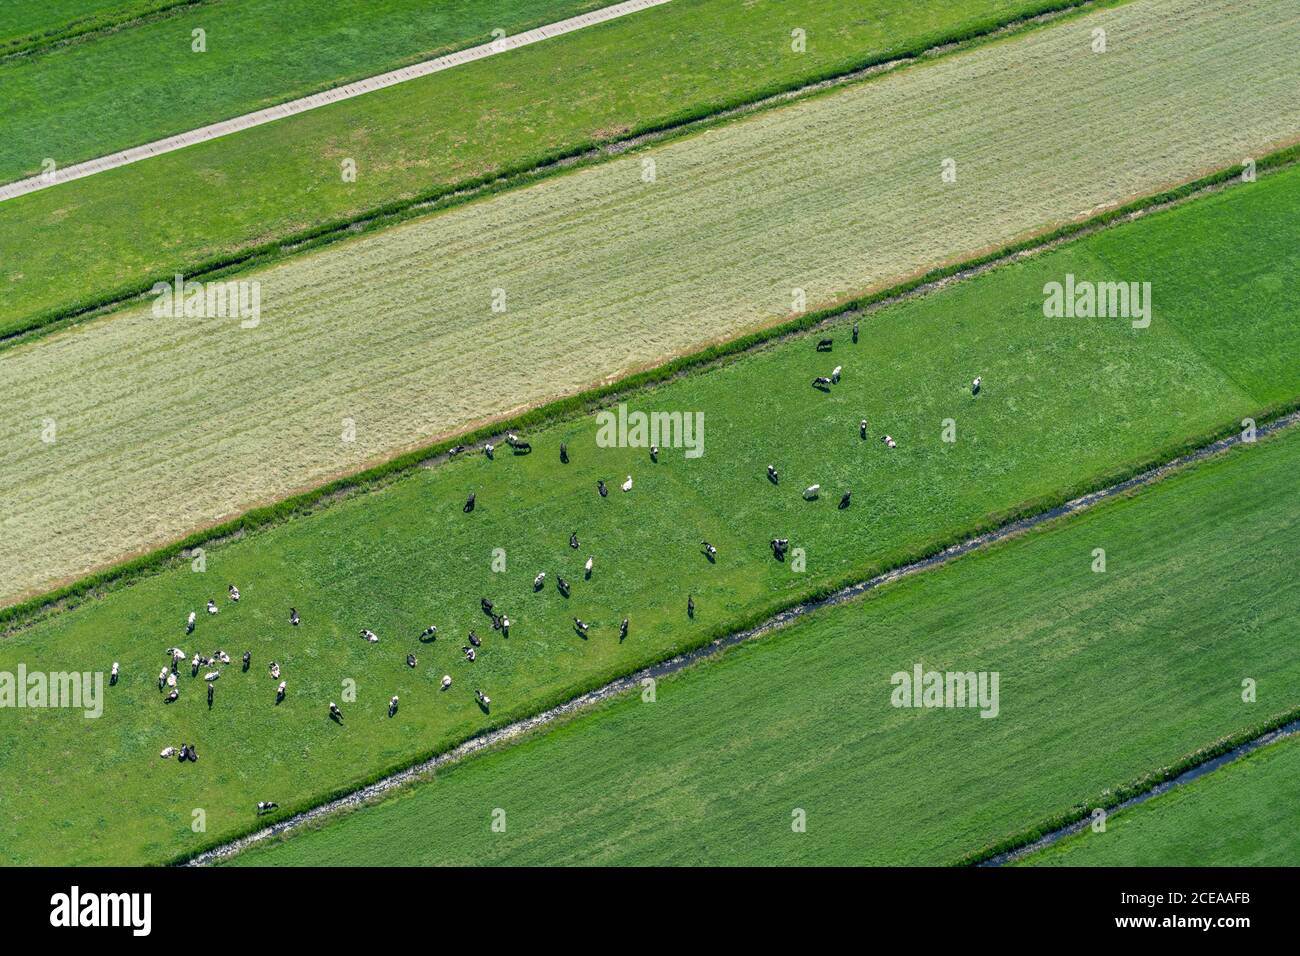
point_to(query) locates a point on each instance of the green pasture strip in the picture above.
(1101, 676)
(30, 25)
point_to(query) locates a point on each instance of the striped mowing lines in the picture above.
(370, 84)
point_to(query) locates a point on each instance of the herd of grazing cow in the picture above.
(168, 677)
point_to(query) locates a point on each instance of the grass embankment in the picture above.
(1102, 677)
(1067, 404)
(167, 426)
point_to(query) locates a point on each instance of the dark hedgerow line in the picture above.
(1110, 799)
(86, 28)
(95, 585)
(571, 158)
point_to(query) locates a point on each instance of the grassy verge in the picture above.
(81, 244)
(1239, 815)
(1067, 405)
(1100, 676)
(30, 25)
(606, 274)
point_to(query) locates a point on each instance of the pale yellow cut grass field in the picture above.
(163, 426)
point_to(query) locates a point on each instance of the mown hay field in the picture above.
(1065, 402)
(1242, 814)
(164, 426)
(1102, 677)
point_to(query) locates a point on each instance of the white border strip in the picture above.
(415, 71)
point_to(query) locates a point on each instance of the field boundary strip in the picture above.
(27, 611)
(212, 131)
(93, 27)
(1193, 772)
(448, 196)
(679, 662)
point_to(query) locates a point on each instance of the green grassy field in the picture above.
(94, 237)
(139, 84)
(25, 24)
(1102, 677)
(1066, 403)
(1242, 814)
(169, 425)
